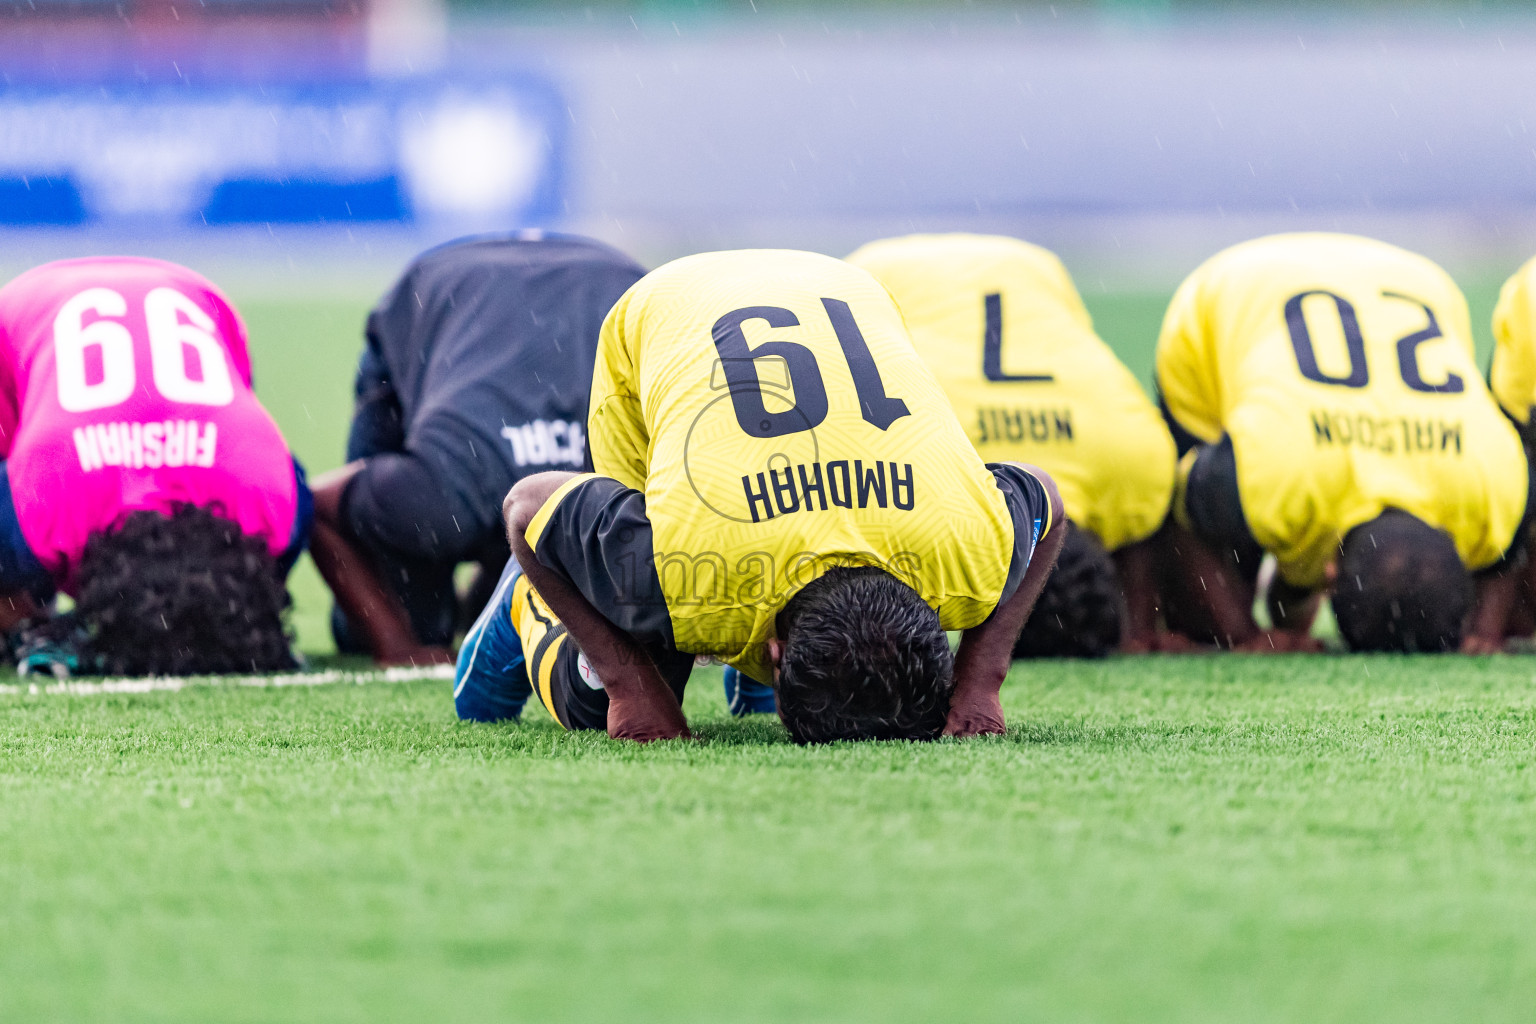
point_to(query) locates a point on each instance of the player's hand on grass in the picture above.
(1162, 643)
(413, 656)
(1178, 643)
(1478, 644)
(1306, 643)
(1273, 641)
(645, 720)
(1281, 641)
(1143, 643)
(978, 715)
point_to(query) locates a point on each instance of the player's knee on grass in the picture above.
(1080, 612)
(1401, 587)
(187, 593)
(864, 657)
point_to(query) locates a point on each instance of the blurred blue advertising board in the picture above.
(187, 156)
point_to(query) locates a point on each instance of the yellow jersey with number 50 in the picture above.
(1342, 368)
(1513, 374)
(1002, 327)
(771, 408)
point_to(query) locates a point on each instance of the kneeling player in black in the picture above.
(786, 488)
(476, 373)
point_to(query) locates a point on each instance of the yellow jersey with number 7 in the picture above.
(1002, 327)
(771, 408)
(1342, 368)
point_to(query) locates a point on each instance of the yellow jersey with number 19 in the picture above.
(1342, 368)
(771, 409)
(1002, 327)
(1513, 374)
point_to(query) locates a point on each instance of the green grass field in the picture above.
(1181, 839)
(1176, 839)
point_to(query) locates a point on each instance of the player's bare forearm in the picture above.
(1141, 581)
(1292, 608)
(327, 490)
(16, 607)
(986, 651)
(369, 606)
(640, 704)
(1487, 625)
(1219, 598)
(1136, 565)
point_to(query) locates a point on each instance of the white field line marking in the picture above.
(171, 684)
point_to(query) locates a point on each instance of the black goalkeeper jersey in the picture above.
(476, 373)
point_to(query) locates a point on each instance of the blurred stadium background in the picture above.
(299, 152)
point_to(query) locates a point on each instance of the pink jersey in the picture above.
(125, 384)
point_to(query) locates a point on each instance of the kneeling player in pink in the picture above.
(141, 475)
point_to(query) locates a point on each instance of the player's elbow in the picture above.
(1052, 494)
(522, 503)
(517, 511)
(328, 491)
(525, 499)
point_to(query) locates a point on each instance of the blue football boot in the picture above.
(746, 696)
(490, 681)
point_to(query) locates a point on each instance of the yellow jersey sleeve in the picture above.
(1513, 376)
(616, 432)
(1188, 379)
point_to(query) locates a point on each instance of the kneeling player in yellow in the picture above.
(1002, 327)
(1512, 378)
(1328, 408)
(784, 486)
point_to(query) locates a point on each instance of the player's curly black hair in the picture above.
(186, 593)
(1080, 613)
(864, 658)
(1401, 587)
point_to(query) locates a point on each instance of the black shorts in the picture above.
(1213, 503)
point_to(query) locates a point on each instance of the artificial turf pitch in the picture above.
(1173, 839)
(1180, 839)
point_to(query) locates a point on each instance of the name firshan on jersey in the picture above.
(146, 445)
